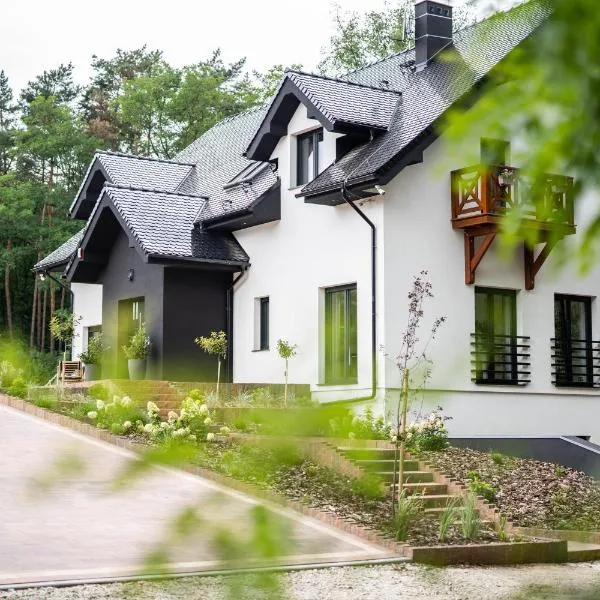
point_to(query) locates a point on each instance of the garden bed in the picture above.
(529, 493)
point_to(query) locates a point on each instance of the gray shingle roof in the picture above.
(347, 101)
(427, 94)
(240, 194)
(149, 173)
(61, 255)
(163, 225)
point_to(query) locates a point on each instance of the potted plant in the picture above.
(137, 353)
(92, 357)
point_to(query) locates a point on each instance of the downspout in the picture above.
(370, 223)
(229, 321)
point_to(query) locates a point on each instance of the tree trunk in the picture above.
(39, 317)
(9, 324)
(52, 309)
(286, 384)
(218, 377)
(44, 309)
(33, 312)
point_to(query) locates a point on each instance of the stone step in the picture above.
(436, 500)
(381, 464)
(409, 476)
(436, 511)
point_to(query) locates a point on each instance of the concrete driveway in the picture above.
(60, 521)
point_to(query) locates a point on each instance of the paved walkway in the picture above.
(60, 521)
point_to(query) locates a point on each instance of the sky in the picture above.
(40, 34)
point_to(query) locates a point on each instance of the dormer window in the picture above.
(307, 156)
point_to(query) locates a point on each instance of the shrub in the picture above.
(8, 374)
(49, 402)
(469, 518)
(428, 434)
(560, 471)
(481, 488)
(97, 391)
(80, 409)
(117, 416)
(498, 458)
(363, 427)
(139, 345)
(18, 388)
(368, 486)
(62, 325)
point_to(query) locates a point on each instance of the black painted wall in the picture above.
(147, 283)
(194, 304)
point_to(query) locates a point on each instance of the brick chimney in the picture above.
(433, 30)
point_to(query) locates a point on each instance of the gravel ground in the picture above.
(404, 582)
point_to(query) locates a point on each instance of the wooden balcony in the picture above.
(482, 196)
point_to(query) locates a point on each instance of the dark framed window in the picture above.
(495, 152)
(496, 346)
(263, 323)
(341, 349)
(573, 348)
(307, 156)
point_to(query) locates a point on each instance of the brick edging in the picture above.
(332, 520)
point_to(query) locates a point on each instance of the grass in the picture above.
(469, 518)
(408, 510)
(447, 518)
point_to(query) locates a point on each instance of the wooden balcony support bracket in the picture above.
(533, 264)
(473, 257)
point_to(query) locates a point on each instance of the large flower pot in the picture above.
(91, 372)
(137, 368)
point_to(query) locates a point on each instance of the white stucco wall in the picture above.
(311, 248)
(419, 235)
(88, 308)
(314, 247)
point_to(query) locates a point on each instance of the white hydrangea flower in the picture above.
(203, 409)
(225, 431)
(211, 437)
(92, 415)
(100, 404)
(208, 421)
(152, 409)
(148, 427)
(126, 401)
(164, 425)
(192, 437)
(127, 425)
(139, 425)
(172, 416)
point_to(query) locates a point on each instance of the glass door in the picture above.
(341, 352)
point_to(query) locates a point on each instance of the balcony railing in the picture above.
(575, 363)
(484, 190)
(500, 359)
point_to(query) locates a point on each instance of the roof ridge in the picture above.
(151, 190)
(138, 157)
(505, 11)
(345, 81)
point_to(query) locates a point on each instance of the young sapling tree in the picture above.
(286, 351)
(215, 345)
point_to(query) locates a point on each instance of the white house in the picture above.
(308, 218)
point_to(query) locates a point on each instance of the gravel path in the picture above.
(403, 582)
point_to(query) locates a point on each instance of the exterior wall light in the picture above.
(131, 274)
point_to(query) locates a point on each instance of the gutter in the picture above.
(46, 273)
(361, 214)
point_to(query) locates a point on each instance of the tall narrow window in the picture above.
(307, 156)
(496, 347)
(495, 152)
(573, 352)
(341, 353)
(264, 324)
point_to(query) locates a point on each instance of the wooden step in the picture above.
(409, 476)
(426, 488)
(580, 552)
(437, 500)
(383, 464)
(367, 453)
(436, 511)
